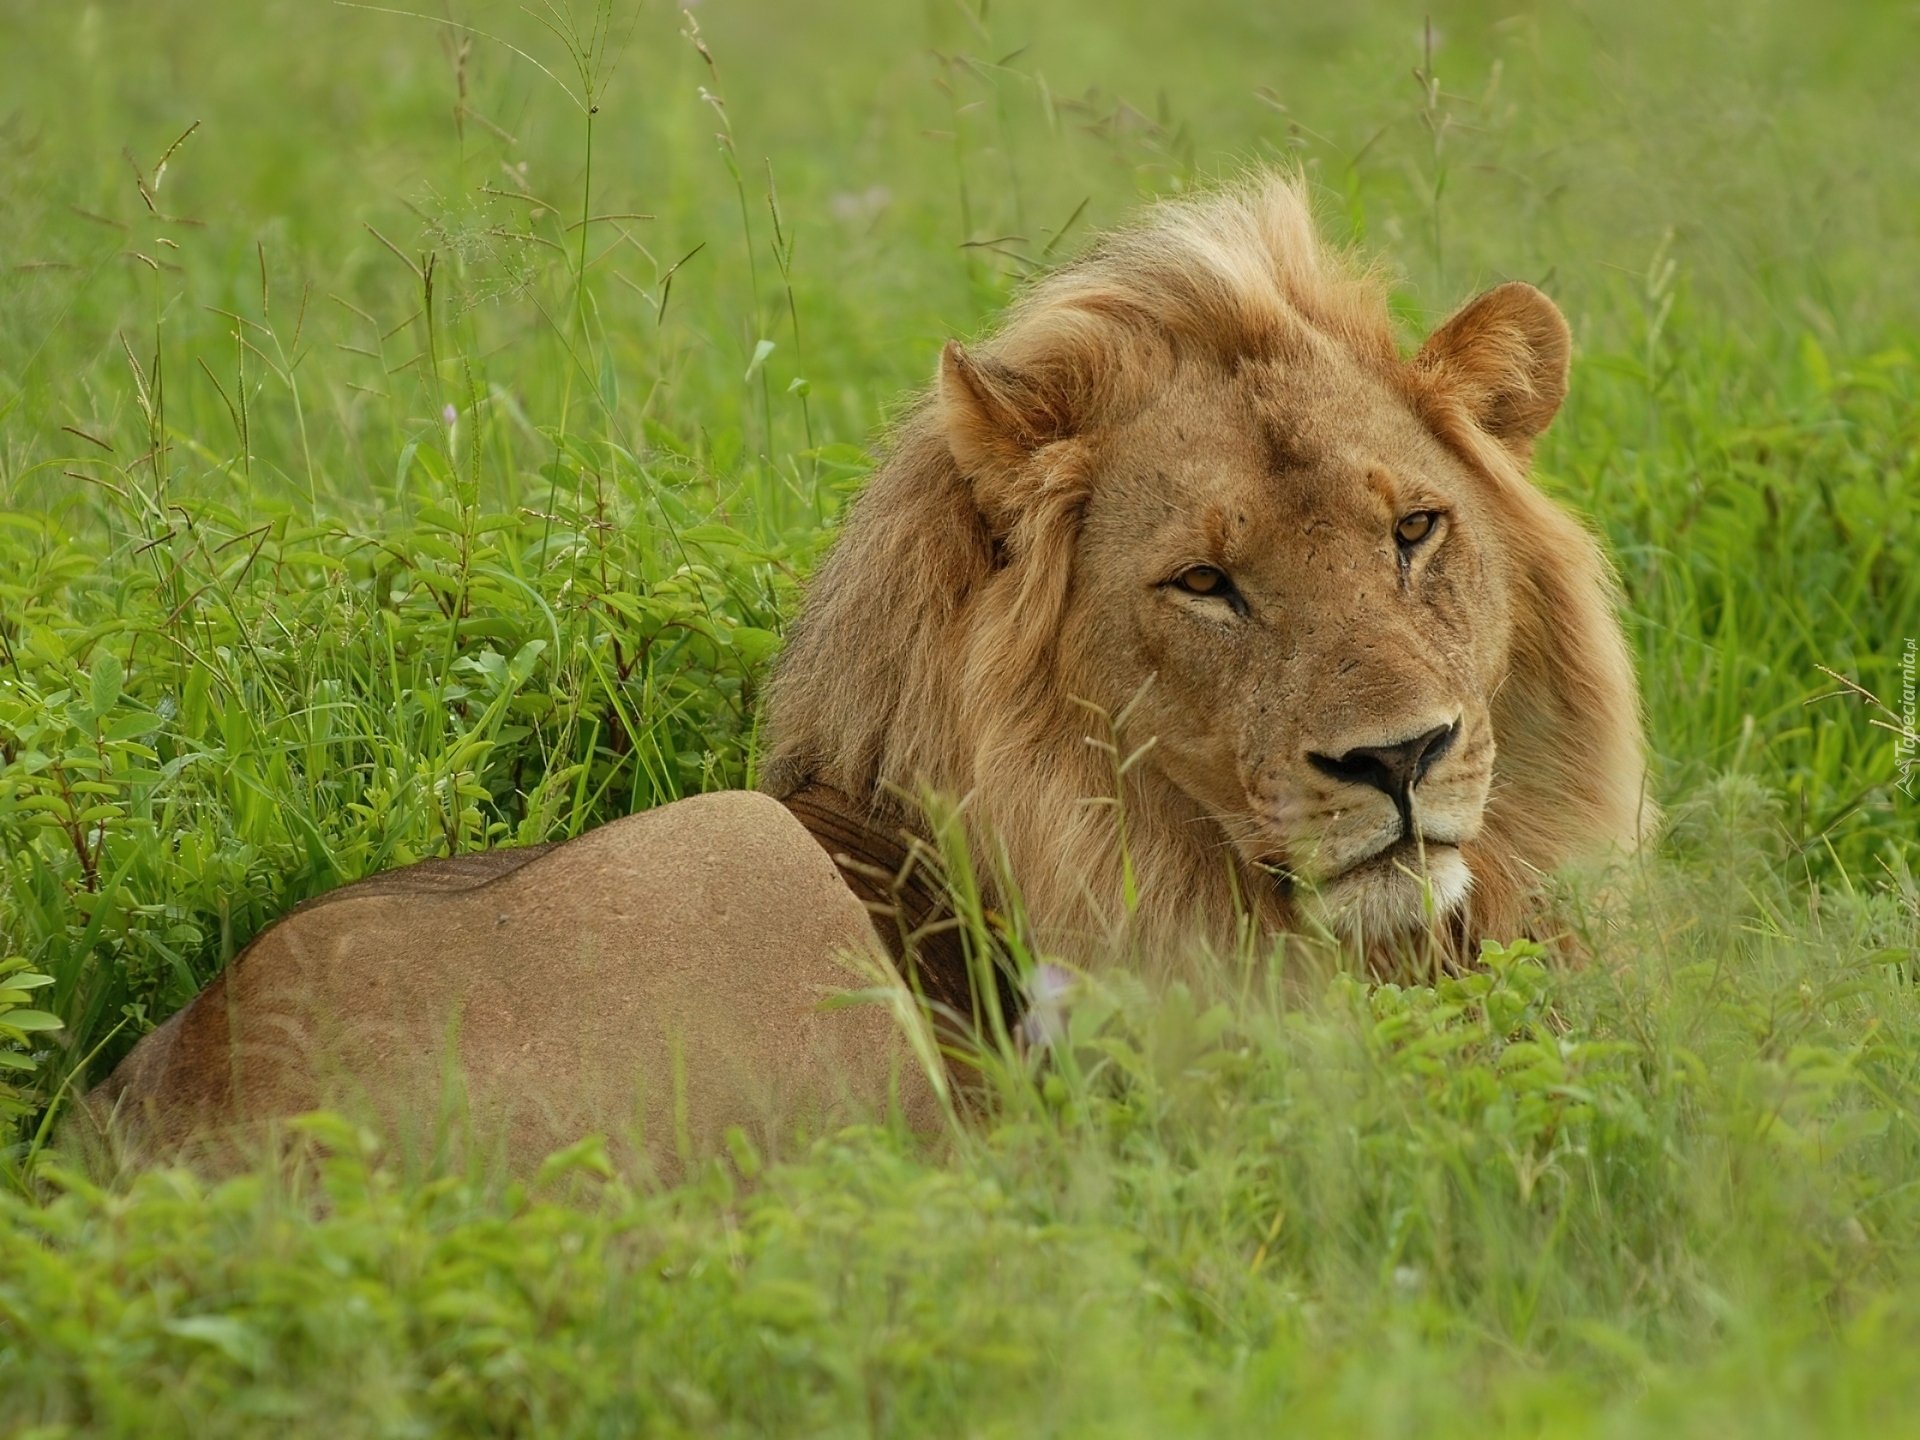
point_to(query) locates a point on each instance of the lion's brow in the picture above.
(1384, 483)
(1287, 444)
(1225, 527)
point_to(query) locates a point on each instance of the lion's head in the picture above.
(1193, 483)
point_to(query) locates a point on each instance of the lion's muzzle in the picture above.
(1391, 769)
(1373, 829)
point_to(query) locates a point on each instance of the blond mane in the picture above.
(908, 669)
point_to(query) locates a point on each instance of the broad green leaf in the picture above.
(754, 645)
(31, 1020)
(524, 659)
(107, 677)
(132, 727)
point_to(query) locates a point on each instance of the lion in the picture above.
(659, 980)
(1192, 480)
(1345, 667)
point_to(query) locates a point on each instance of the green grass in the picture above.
(358, 504)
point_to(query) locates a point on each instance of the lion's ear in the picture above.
(996, 419)
(983, 409)
(1504, 357)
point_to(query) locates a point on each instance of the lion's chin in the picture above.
(1389, 896)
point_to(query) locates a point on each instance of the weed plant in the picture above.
(413, 433)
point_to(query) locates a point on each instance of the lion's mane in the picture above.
(927, 653)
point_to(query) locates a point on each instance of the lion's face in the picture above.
(1306, 574)
(1382, 673)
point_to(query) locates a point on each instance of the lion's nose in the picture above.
(1391, 769)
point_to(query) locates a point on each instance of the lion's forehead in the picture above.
(1333, 446)
(1342, 508)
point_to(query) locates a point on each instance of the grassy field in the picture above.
(413, 436)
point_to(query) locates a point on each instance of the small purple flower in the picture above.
(1049, 989)
(450, 415)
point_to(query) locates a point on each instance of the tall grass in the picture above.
(1673, 1193)
(413, 431)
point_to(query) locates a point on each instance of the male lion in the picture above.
(1381, 672)
(1373, 678)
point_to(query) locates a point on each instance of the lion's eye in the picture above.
(1204, 580)
(1416, 527)
(1211, 583)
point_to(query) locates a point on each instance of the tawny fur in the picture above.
(658, 979)
(959, 622)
